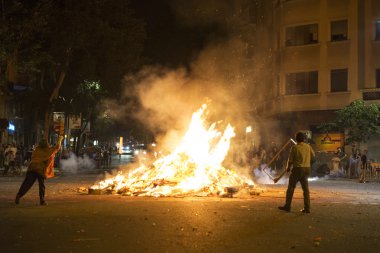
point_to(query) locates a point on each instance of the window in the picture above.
(339, 30)
(302, 35)
(301, 83)
(377, 27)
(377, 78)
(338, 80)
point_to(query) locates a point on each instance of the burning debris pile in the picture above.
(194, 168)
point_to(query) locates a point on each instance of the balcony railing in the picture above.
(371, 94)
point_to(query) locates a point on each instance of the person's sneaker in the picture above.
(17, 200)
(303, 210)
(284, 208)
(43, 203)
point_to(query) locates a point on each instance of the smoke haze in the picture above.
(164, 99)
(73, 163)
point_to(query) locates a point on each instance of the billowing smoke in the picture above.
(262, 178)
(166, 97)
(73, 163)
(226, 72)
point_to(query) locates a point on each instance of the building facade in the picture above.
(327, 54)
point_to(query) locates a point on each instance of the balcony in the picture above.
(371, 94)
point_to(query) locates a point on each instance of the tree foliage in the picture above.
(58, 44)
(358, 120)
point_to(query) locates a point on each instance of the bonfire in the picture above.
(194, 168)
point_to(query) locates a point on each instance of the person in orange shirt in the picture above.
(40, 168)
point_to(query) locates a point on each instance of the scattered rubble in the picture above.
(228, 192)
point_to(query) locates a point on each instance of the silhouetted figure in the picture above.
(299, 160)
(40, 168)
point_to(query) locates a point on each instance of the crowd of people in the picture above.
(257, 157)
(356, 165)
(102, 156)
(13, 157)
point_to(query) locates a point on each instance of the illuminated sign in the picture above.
(58, 121)
(11, 127)
(328, 142)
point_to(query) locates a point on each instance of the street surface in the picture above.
(345, 218)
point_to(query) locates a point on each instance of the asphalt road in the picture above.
(345, 218)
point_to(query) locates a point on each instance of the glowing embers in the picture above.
(194, 168)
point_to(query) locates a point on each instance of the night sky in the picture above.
(170, 42)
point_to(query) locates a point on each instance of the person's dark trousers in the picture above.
(9, 167)
(29, 180)
(301, 175)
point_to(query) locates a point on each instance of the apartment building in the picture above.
(327, 54)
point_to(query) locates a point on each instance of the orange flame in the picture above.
(194, 167)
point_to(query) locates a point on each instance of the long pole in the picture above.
(275, 180)
(276, 155)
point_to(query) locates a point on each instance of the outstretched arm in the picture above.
(59, 143)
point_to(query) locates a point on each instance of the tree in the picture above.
(60, 43)
(88, 95)
(358, 120)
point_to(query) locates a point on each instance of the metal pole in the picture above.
(276, 155)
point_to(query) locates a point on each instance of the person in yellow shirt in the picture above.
(40, 168)
(300, 158)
